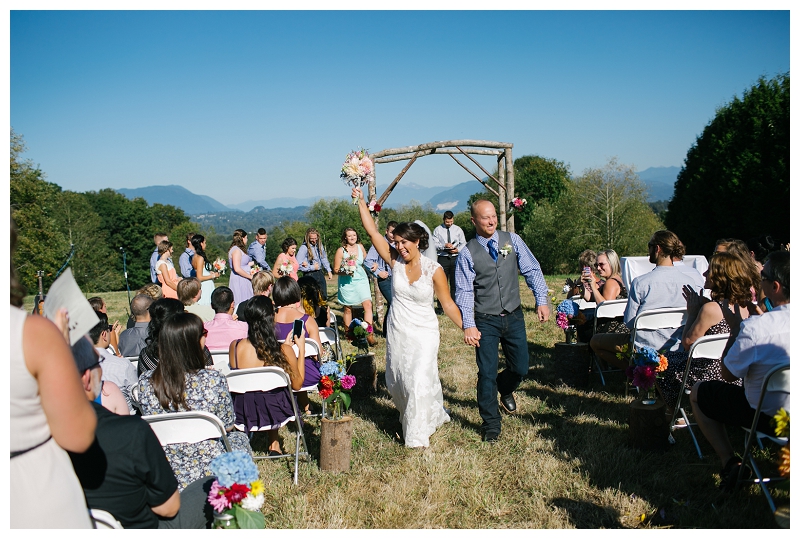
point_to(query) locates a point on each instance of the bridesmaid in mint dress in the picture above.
(240, 263)
(203, 269)
(353, 289)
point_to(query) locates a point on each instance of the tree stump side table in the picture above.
(648, 426)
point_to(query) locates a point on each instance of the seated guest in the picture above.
(759, 344)
(695, 275)
(116, 370)
(313, 302)
(265, 410)
(189, 293)
(160, 310)
(132, 340)
(223, 329)
(125, 470)
(740, 249)
(181, 382)
(610, 288)
(661, 288)
(99, 306)
(151, 290)
(587, 259)
(262, 286)
(729, 281)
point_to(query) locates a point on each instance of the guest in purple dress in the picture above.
(265, 410)
(287, 297)
(240, 263)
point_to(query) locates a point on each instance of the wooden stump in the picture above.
(648, 426)
(572, 363)
(366, 373)
(336, 441)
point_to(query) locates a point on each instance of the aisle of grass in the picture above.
(562, 462)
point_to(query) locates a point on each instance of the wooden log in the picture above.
(389, 189)
(572, 364)
(441, 144)
(336, 442)
(486, 185)
(366, 373)
(648, 426)
(489, 174)
(405, 156)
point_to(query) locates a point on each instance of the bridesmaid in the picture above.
(289, 248)
(203, 269)
(240, 263)
(165, 270)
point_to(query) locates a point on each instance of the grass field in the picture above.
(562, 462)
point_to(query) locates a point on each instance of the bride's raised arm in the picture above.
(378, 241)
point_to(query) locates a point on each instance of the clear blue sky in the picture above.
(259, 104)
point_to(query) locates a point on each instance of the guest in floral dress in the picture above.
(729, 280)
(181, 382)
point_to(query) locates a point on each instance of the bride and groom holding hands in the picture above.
(487, 307)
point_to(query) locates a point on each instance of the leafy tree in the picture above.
(166, 217)
(735, 179)
(331, 217)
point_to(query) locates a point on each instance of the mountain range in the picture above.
(660, 183)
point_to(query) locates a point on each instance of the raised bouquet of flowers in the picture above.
(286, 268)
(236, 494)
(358, 332)
(220, 265)
(349, 263)
(518, 203)
(334, 387)
(646, 367)
(357, 170)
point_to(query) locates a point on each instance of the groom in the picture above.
(487, 292)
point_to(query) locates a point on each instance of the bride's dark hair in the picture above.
(412, 232)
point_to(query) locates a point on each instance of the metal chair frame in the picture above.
(606, 309)
(188, 427)
(667, 318)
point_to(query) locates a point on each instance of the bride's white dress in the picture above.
(412, 350)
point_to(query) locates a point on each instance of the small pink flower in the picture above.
(348, 381)
(217, 499)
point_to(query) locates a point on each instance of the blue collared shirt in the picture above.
(185, 262)
(257, 252)
(374, 258)
(465, 275)
(320, 257)
(153, 260)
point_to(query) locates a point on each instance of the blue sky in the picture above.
(241, 105)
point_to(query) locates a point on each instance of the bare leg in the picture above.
(367, 311)
(713, 430)
(302, 401)
(607, 345)
(347, 316)
(274, 441)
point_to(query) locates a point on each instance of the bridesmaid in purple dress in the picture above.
(240, 263)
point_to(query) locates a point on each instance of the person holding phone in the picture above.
(286, 296)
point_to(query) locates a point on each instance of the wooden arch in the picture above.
(505, 167)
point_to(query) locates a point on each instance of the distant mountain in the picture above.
(405, 193)
(177, 196)
(660, 182)
(225, 222)
(455, 199)
(283, 202)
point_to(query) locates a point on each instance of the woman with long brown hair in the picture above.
(240, 263)
(265, 410)
(353, 282)
(729, 279)
(165, 270)
(181, 382)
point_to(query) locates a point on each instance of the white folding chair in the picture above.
(328, 335)
(668, 318)
(187, 427)
(775, 381)
(134, 360)
(609, 309)
(266, 379)
(706, 347)
(335, 327)
(221, 361)
(103, 520)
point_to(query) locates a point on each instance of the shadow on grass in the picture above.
(588, 515)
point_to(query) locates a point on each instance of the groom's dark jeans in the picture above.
(508, 331)
(385, 286)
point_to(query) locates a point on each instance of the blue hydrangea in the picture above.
(646, 356)
(331, 368)
(568, 307)
(234, 467)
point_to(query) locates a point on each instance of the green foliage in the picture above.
(537, 179)
(735, 179)
(464, 220)
(331, 217)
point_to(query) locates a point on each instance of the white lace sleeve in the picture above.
(429, 266)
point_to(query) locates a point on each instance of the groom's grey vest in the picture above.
(496, 285)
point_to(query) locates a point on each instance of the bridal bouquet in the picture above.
(286, 268)
(236, 494)
(334, 387)
(349, 263)
(358, 169)
(219, 265)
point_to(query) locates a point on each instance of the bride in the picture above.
(412, 332)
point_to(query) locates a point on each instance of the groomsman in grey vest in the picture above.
(487, 292)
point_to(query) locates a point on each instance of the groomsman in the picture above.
(313, 259)
(185, 261)
(157, 238)
(381, 270)
(487, 292)
(257, 252)
(449, 240)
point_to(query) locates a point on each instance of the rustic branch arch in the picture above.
(505, 166)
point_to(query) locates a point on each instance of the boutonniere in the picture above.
(505, 249)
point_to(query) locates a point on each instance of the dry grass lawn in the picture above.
(562, 462)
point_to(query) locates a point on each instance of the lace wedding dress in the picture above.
(412, 350)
